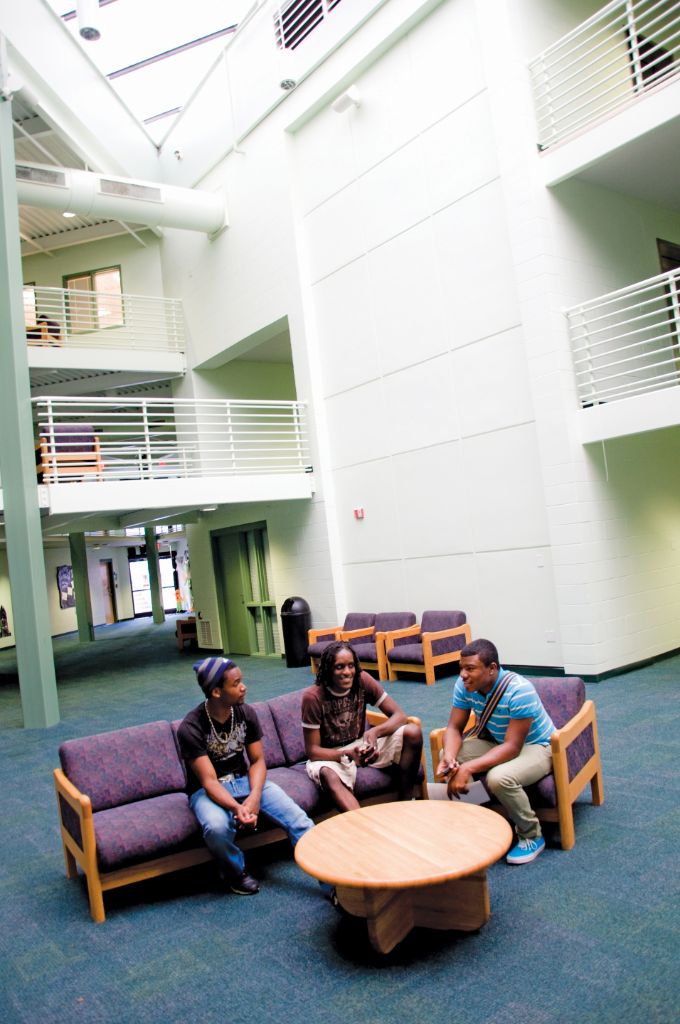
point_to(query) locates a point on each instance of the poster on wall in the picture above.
(67, 594)
(4, 623)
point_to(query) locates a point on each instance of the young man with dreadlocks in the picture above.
(228, 793)
(336, 741)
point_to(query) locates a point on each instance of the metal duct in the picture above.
(140, 202)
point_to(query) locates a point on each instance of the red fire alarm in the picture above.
(358, 513)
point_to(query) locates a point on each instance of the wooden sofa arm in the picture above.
(397, 634)
(84, 853)
(353, 634)
(436, 747)
(377, 717)
(443, 634)
(330, 633)
(591, 771)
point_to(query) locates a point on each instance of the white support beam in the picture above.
(70, 93)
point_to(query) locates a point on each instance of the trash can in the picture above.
(296, 621)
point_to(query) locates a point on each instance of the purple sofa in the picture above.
(123, 808)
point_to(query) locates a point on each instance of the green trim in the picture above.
(597, 677)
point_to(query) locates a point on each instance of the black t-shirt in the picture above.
(224, 747)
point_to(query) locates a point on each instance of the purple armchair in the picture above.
(575, 755)
(438, 640)
(319, 639)
(369, 644)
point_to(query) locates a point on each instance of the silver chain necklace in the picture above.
(224, 736)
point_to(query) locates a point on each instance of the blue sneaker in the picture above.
(526, 850)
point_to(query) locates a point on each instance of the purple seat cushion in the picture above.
(365, 651)
(316, 650)
(124, 766)
(287, 715)
(141, 831)
(300, 788)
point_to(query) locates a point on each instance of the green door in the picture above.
(235, 591)
(247, 614)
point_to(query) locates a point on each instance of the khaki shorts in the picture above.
(389, 752)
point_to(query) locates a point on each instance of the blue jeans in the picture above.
(219, 825)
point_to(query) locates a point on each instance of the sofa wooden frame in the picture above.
(99, 882)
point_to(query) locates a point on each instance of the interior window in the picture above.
(94, 299)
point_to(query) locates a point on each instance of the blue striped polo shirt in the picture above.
(520, 700)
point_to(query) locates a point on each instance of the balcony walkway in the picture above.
(110, 457)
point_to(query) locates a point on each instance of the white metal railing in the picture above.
(623, 51)
(70, 317)
(152, 439)
(627, 342)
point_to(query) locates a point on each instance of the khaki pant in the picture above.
(506, 781)
(389, 752)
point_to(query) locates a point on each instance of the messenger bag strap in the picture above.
(489, 708)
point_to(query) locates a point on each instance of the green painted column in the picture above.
(30, 614)
(81, 582)
(154, 574)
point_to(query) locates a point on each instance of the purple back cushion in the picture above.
(115, 768)
(287, 714)
(385, 621)
(561, 698)
(273, 752)
(359, 620)
(73, 437)
(433, 622)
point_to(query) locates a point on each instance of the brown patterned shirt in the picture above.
(340, 719)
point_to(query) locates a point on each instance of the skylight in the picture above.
(156, 52)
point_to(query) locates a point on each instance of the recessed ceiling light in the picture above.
(67, 213)
(210, 508)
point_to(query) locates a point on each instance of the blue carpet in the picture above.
(590, 935)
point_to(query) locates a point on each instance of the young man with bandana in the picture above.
(227, 792)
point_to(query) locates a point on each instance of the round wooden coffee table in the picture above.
(407, 864)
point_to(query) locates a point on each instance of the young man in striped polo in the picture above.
(510, 741)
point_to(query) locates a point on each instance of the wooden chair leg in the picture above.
(567, 831)
(429, 673)
(96, 897)
(597, 788)
(70, 863)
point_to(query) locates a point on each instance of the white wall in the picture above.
(140, 264)
(430, 417)
(298, 546)
(573, 243)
